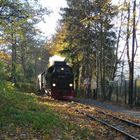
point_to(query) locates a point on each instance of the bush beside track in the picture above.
(26, 87)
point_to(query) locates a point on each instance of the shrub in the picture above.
(26, 87)
(6, 87)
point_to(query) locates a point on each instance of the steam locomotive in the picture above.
(57, 81)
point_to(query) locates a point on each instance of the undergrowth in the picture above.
(24, 109)
(23, 115)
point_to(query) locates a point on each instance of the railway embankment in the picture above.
(26, 116)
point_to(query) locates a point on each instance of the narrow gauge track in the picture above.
(129, 129)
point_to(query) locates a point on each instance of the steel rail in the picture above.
(121, 119)
(129, 136)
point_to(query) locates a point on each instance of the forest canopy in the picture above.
(21, 43)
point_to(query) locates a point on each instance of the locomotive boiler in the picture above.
(57, 81)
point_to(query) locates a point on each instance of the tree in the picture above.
(131, 62)
(17, 27)
(127, 34)
(88, 37)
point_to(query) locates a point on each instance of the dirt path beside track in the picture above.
(115, 108)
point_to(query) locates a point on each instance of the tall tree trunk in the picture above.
(131, 80)
(127, 44)
(13, 69)
(102, 62)
(23, 59)
(117, 47)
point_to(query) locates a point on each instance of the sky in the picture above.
(48, 28)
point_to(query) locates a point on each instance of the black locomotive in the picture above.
(57, 81)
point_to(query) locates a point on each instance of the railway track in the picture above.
(130, 130)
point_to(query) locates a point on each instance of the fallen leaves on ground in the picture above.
(77, 126)
(74, 126)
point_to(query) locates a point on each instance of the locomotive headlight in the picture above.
(53, 84)
(70, 85)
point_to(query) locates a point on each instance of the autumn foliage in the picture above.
(4, 56)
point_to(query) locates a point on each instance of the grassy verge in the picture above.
(23, 111)
(24, 116)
